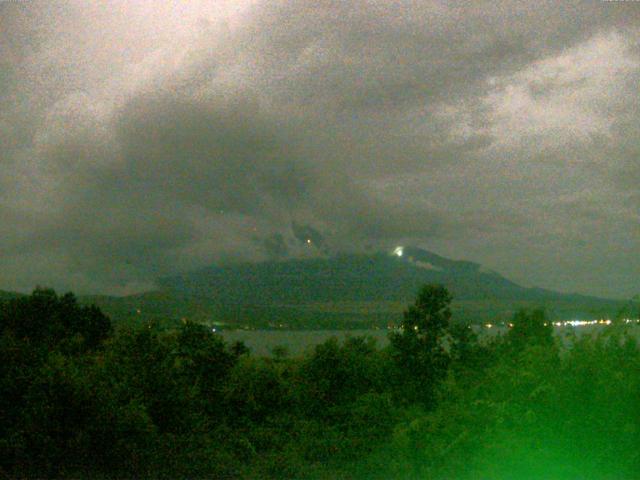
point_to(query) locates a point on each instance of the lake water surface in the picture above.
(298, 342)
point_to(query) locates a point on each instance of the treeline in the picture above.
(80, 400)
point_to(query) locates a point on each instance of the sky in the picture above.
(141, 139)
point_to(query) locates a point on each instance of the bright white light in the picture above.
(398, 251)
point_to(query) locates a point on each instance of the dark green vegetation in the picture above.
(80, 400)
(341, 292)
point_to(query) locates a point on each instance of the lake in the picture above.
(298, 342)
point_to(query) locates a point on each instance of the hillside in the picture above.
(358, 289)
(340, 292)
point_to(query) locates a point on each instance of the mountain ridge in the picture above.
(346, 290)
(383, 279)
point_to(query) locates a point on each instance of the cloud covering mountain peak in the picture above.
(140, 139)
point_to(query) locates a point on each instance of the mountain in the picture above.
(377, 277)
(356, 290)
(338, 292)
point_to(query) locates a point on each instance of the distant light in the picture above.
(308, 241)
(398, 251)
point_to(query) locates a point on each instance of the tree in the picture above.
(337, 374)
(420, 346)
(430, 315)
(530, 328)
(45, 318)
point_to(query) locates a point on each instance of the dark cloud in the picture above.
(275, 246)
(139, 140)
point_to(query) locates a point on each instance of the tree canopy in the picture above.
(82, 401)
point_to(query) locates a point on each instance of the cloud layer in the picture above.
(139, 139)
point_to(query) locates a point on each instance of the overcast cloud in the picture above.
(139, 139)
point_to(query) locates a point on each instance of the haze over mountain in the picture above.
(350, 277)
(343, 291)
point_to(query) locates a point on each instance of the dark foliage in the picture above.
(419, 348)
(46, 318)
(79, 401)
